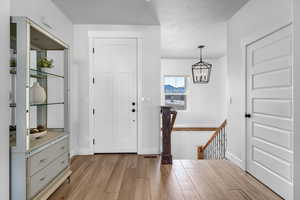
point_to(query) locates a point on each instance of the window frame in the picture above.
(178, 93)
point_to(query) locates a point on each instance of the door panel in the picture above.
(269, 100)
(267, 160)
(279, 108)
(270, 121)
(274, 49)
(270, 148)
(115, 65)
(272, 65)
(272, 79)
(273, 135)
(278, 93)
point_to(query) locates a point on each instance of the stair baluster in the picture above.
(215, 148)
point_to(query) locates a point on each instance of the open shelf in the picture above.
(48, 104)
(35, 143)
(52, 134)
(12, 105)
(35, 73)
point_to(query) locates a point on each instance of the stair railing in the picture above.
(168, 120)
(215, 148)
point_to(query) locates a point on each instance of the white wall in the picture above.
(45, 11)
(4, 82)
(256, 15)
(150, 84)
(206, 103)
(41, 11)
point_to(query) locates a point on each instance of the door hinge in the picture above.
(93, 80)
(93, 111)
(94, 141)
(93, 50)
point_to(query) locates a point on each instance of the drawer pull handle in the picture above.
(62, 148)
(42, 179)
(43, 160)
(62, 162)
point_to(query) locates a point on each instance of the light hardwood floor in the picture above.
(133, 177)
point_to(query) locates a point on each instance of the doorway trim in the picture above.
(244, 44)
(116, 35)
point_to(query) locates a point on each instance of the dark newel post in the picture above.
(168, 120)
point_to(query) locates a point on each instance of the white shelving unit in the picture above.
(38, 165)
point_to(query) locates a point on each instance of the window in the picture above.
(175, 92)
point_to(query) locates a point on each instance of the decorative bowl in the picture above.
(38, 134)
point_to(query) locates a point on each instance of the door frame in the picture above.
(116, 35)
(244, 44)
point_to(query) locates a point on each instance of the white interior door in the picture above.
(115, 95)
(270, 103)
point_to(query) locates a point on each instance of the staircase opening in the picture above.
(214, 148)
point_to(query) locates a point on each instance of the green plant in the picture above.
(45, 63)
(13, 63)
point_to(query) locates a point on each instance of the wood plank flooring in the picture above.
(133, 177)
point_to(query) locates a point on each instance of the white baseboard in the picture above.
(144, 151)
(147, 151)
(85, 151)
(237, 161)
(72, 156)
(73, 153)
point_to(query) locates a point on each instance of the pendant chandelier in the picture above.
(201, 70)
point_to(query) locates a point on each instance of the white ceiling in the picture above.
(137, 12)
(184, 23)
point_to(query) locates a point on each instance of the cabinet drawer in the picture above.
(39, 180)
(43, 158)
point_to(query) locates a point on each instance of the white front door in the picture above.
(115, 95)
(270, 103)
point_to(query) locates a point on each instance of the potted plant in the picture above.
(45, 63)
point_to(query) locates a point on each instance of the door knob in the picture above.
(247, 115)
(133, 110)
